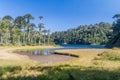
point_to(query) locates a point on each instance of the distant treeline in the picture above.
(97, 34)
(21, 31)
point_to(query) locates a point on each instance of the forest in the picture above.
(93, 34)
(21, 31)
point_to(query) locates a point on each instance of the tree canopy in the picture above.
(95, 34)
(115, 41)
(21, 31)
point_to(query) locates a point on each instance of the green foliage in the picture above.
(20, 31)
(97, 34)
(115, 41)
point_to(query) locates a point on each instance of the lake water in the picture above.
(77, 46)
(64, 47)
(46, 56)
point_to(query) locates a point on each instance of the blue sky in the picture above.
(63, 14)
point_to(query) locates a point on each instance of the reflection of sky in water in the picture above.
(46, 52)
(35, 52)
(39, 52)
(65, 47)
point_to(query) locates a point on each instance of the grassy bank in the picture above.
(91, 64)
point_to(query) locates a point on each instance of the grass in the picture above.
(114, 56)
(91, 64)
(62, 72)
(30, 48)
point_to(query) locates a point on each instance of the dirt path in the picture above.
(6, 55)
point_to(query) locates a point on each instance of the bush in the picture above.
(109, 55)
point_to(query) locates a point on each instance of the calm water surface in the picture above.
(64, 46)
(46, 56)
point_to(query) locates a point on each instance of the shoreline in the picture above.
(7, 54)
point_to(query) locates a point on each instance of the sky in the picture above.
(60, 15)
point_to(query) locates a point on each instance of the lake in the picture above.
(77, 46)
(47, 56)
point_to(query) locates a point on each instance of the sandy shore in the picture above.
(6, 54)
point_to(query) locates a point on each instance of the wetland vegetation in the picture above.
(29, 50)
(91, 64)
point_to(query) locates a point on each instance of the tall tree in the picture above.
(28, 17)
(40, 17)
(21, 31)
(9, 28)
(40, 26)
(116, 24)
(21, 24)
(115, 40)
(31, 27)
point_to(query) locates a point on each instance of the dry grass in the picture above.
(87, 58)
(86, 67)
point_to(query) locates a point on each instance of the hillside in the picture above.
(94, 34)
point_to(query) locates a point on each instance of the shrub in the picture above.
(109, 55)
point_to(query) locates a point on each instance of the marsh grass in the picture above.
(28, 48)
(85, 67)
(114, 56)
(62, 73)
